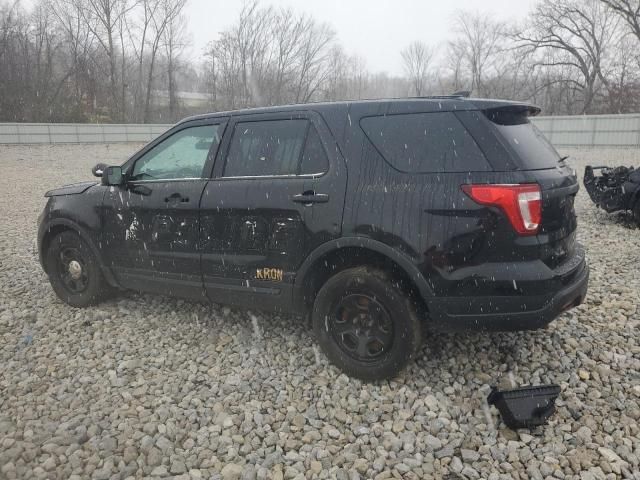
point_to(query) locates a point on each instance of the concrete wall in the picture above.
(603, 131)
(607, 131)
(36, 133)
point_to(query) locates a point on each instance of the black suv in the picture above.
(376, 218)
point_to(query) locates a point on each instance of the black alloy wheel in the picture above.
(366, 323)
(362, 327)
(74, 271)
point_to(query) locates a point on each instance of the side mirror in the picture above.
(112, 176)
(98, 170)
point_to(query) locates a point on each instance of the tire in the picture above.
(366, 323)
(78, 287)
(636, 212)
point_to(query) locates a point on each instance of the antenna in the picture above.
(462, 93)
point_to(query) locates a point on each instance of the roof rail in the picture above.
(459, 94)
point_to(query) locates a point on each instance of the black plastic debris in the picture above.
(525, 407)
(614, 189)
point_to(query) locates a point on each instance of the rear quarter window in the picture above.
(425, 143)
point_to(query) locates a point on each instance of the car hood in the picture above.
(72, 189)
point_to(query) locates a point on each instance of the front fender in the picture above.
(79, 213)
(49, 229)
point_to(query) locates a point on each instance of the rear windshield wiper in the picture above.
(562, 159)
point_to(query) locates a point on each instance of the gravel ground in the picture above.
(146, 386)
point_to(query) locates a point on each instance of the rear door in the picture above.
(276, 194)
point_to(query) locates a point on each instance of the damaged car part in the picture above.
(614, 189)
(525, 407)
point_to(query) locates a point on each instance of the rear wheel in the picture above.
(74, 272)
(366, 323)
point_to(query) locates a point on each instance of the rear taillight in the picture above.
(521, 203)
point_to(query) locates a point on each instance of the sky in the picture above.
(375, 30)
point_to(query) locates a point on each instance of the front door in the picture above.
(151, 224)
(257, 213)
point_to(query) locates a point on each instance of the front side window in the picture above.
(266, 148)
(182, 155)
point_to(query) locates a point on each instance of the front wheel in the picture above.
(74, 272)
(366, 323)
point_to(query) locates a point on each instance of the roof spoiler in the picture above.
(510, 113)
(515, 109)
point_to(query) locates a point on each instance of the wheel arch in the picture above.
(60, 225)
(336, 255)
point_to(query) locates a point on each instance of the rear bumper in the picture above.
(510, 313)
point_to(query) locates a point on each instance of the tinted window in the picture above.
(182, 155)
(425, 142)
(314, 158)
(532, 148)
(264, 148)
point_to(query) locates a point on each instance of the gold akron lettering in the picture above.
(274, 274)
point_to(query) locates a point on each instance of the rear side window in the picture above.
(314, 158)
(425, 143)
(532, 148)
(272, 147)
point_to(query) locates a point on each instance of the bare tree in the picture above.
(287, 32)
(225, 72)
(623, 77)
(417, 58)
(250, 38)
(14, 89)
(175, 41)
(79, 43)
(313, 68)
(105, 19)
(44, 45)
(339, 79)
(116, 60)
(476, 49)
(139, 32)
(270, 56)
(573, 35)
(32, 75)
(164, 29)
(629, 10)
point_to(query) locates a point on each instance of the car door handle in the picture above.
(310, 197)
(175, 198)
